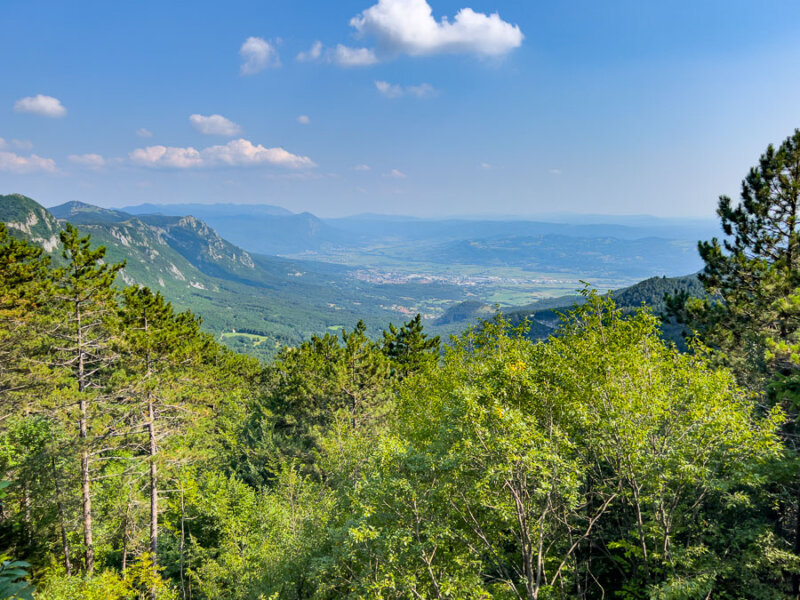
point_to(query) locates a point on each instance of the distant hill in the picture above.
(444, 230)
(640, 247)
(79, 213)
(649, 293)
(259, 228)
(467, 311)
(204, 211)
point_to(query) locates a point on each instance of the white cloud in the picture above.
(236, 153)
(485, 165)
(14, 163)
(392, 90)
(396, 174)
(352, 57)
(555, 172)
(361, 168)
(388, 89)
(45, 106)
(258, 54)
(408, 27)
(342, 55)
(423, 90)
(303, 120)
(313, 53)
(214, 125)
(144, 133)
(90, 161)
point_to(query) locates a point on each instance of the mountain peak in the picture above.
(81, 213)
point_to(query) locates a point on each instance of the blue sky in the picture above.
(507, 107)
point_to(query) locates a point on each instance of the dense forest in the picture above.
(139, 458)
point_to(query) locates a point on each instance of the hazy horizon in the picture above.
(587, 217)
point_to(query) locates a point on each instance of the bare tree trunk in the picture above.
(26, 503)
(153, 480)
(85, 480)
(87, 498)
(64, 542)
(182, 543)
(125, 535)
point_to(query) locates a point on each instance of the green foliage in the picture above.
(13, 583)
(522, 468)
(139, 582)
(410, 349)
(306, 390)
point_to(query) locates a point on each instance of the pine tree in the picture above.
(156, 343)
(410, 350)
(23, 269)
(751, 316)
(28, 456)
(364, 374)
(85, 305)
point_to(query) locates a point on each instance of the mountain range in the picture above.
(256, 301)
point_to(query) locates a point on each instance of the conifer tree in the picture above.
(83, 346)
(751, 315)
(27, 455)
(22, 292)
(363, 374)
(156, 342)
(410, 350)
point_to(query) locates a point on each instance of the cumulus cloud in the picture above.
(352, 57)
(14, 163)
(361, 168)
(408, 27)
(144, 133)
(485, 165)
(258, 54)
(236, 153)
(313, 53)
(396, 174)
(214, 125)
(303, 120)
(44, 106)
(90, 161)
(392, 90)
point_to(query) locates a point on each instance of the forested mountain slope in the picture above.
(282, 301)
(255, 302)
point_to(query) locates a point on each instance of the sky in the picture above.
(425, 108)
